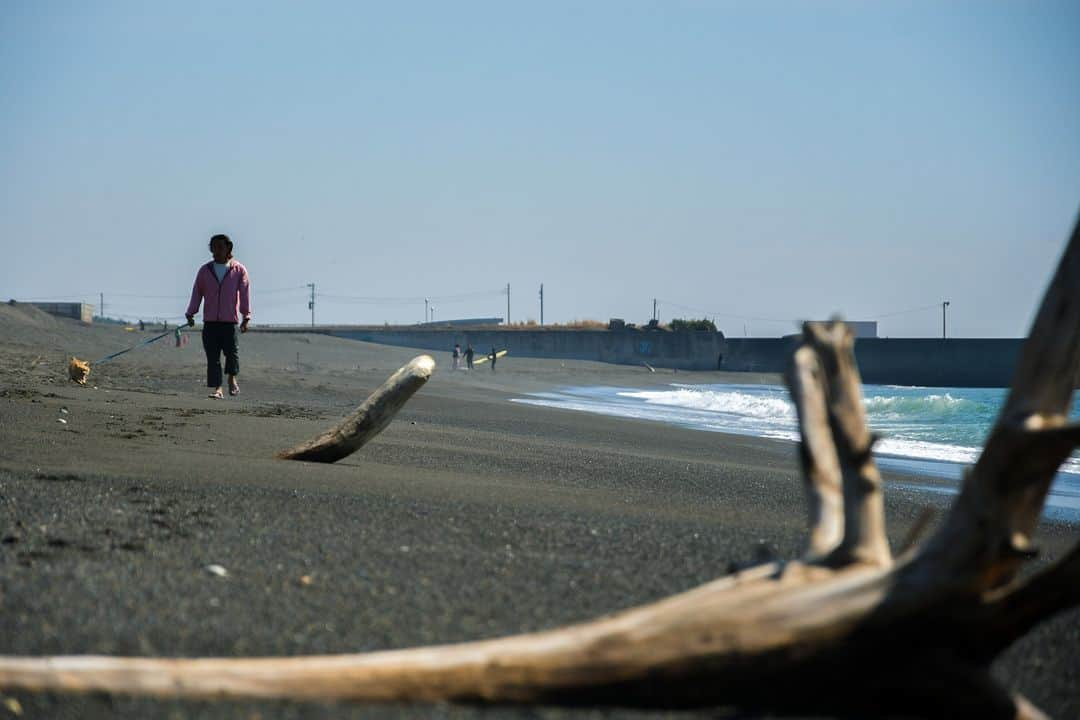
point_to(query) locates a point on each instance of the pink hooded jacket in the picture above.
(227, 301)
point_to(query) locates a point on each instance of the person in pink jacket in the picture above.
(222, 285)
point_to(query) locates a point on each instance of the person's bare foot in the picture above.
(234, 388)
(216, 395)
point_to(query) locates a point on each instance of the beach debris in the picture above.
(368, 420)
(305, 580)
(62, 421)
(13, 706)
(78, 370)
(64, 410)
(215, 569)
(847, 629)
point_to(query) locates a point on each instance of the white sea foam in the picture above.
(936, 425)
(935, 404)
(735, 403)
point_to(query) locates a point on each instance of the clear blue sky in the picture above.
(761, 162)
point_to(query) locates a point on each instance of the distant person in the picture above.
(457, 356)
(493, 357)
(142, 326)
(469, 352)
(224, 285)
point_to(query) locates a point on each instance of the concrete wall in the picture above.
(897, 361)
(78, 311)
(901, 361)
(682, 350)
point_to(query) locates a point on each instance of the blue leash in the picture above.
(133, 347)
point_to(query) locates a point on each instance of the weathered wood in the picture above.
(1012, 611)
(864, 538)
(821, 466)
(1002, 497)
(368, 420)
(851, 632)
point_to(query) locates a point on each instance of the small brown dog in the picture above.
(78, 370)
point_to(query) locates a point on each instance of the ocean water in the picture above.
(925, 431)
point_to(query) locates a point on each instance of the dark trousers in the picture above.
(217, 338)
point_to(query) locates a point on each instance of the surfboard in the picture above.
(484, 358)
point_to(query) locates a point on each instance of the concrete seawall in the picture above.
(960, 362)
(898, 361)
(683, 350)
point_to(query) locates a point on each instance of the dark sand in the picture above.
(469, 517)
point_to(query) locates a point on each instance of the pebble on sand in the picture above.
(217, 570)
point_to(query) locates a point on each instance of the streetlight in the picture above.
(944, 305)
(425, 310)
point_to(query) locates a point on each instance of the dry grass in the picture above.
(531, 324)
(582, 325)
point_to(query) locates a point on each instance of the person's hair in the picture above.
(225, 238)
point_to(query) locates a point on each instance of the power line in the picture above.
(876, 316)
(723, 314)
(935, 306)
(410, 300)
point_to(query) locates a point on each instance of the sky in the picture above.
(755, 163)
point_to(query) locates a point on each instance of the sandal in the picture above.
(216, 395)
(234, 389)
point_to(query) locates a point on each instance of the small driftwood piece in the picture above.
(847, 630)
(368, 420)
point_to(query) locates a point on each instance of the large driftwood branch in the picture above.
(981, 545)
(821, 466)
(368, 420)
(1011, 612)
(913, 638)
(864, 505)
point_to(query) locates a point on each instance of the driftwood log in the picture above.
(848, 629)
(368, 420)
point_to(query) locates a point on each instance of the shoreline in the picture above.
(936, 474)
(468, 517)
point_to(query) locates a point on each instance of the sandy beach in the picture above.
(469, 517)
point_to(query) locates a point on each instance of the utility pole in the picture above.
(943, 306)
(654, 308)
(101, 309)
(507, 303)
(426, 315)
(311, 303)
(541, 304)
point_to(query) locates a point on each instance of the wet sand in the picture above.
(469, 517)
